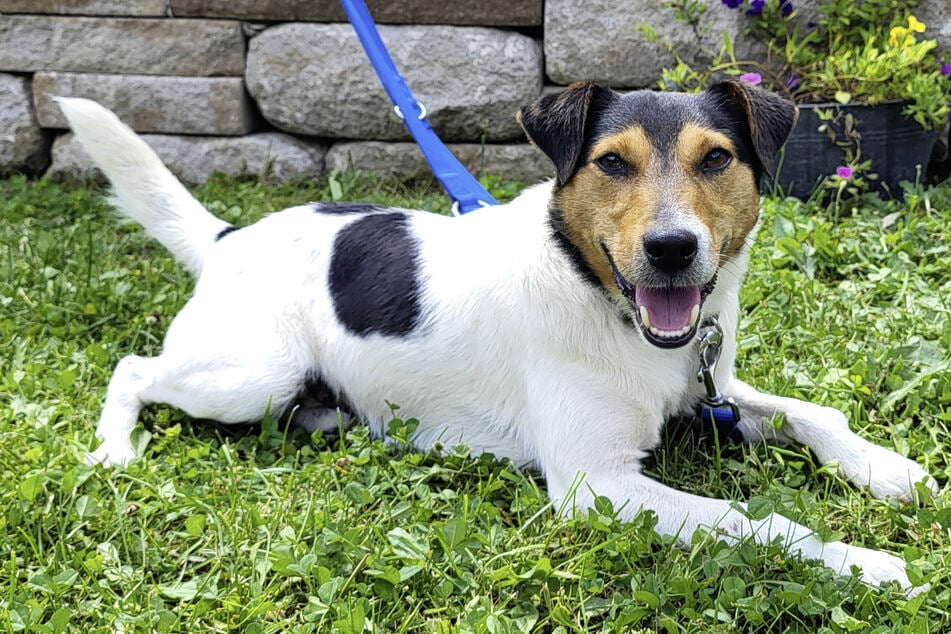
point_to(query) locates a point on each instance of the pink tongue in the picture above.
(668, 308)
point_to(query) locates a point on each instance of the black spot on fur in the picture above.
(226, 231)
(349, 208)
(374, 276)
(317, 394)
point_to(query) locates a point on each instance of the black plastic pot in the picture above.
(897, 146)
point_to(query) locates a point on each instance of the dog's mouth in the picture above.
(668, 315)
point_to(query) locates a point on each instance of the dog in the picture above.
(559, 330)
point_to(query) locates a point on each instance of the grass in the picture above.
(263, 529)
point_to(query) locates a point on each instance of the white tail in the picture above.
(143, 188)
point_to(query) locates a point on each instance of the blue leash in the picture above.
(465, 191)
(468, 194)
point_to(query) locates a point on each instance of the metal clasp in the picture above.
(422, 111)
(710, 344)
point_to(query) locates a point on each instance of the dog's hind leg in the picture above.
(229, 368)
(826, 432)
(120, 411)
(221, 388)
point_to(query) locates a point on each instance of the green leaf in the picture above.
(843, 97)
(336, 189)
(59, 621)
(354, 622)
(86, 506)
(645, 596)
(406, 545)
(328, 590)
(759, 507)
(31, 487)
(453, 532)
(846, 621)
(195, 524)
(408, 572)
(179, 590)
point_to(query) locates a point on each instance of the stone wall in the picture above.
(280, 89)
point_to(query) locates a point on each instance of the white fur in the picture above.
(517, 357)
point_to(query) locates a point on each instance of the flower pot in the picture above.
(898, 147)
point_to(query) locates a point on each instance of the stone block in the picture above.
(485, 13)
(204, 48)
(598, 40)
(315, 79)
(936, 15)
(403, 160)
(86, 7)
(23, 146)
(151, 103)
(270, 157)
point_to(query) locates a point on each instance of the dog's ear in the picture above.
(770, 118)
(560, 123)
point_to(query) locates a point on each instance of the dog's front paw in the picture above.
(877, 567)
(887, 474)
(111, 454)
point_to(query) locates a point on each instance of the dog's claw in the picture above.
(111, 455)
(888, 474)
(877, 567)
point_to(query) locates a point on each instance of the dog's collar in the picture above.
(718, 410)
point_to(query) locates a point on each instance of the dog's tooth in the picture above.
(694, 316)
(645, 318)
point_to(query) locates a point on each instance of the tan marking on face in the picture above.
(618, 211)
(726, 202)
(615, 210)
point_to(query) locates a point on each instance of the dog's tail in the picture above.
(143, 188)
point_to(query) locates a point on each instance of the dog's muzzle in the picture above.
(668, 315)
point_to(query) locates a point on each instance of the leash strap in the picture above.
(465, 191)
(716, 410)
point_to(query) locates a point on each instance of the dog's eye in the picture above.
(716, 159)
(611, 164)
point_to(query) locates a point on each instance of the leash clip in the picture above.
(422, 111)
(709, 351)
(721, 411)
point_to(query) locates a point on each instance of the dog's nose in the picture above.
(671, 251)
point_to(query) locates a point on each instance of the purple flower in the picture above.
(844, 172)
(753, 79)
(785, 7)
(792, 82)
(945, 67)
(733, 4)
(756, 7)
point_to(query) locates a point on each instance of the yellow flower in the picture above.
(899, 37)
(903, 37)
(915, 25)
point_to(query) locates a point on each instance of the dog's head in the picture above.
(656, 191)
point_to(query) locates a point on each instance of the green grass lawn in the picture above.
(261, 529)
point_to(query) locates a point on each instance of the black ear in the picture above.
(770, 118)
(559, 124)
